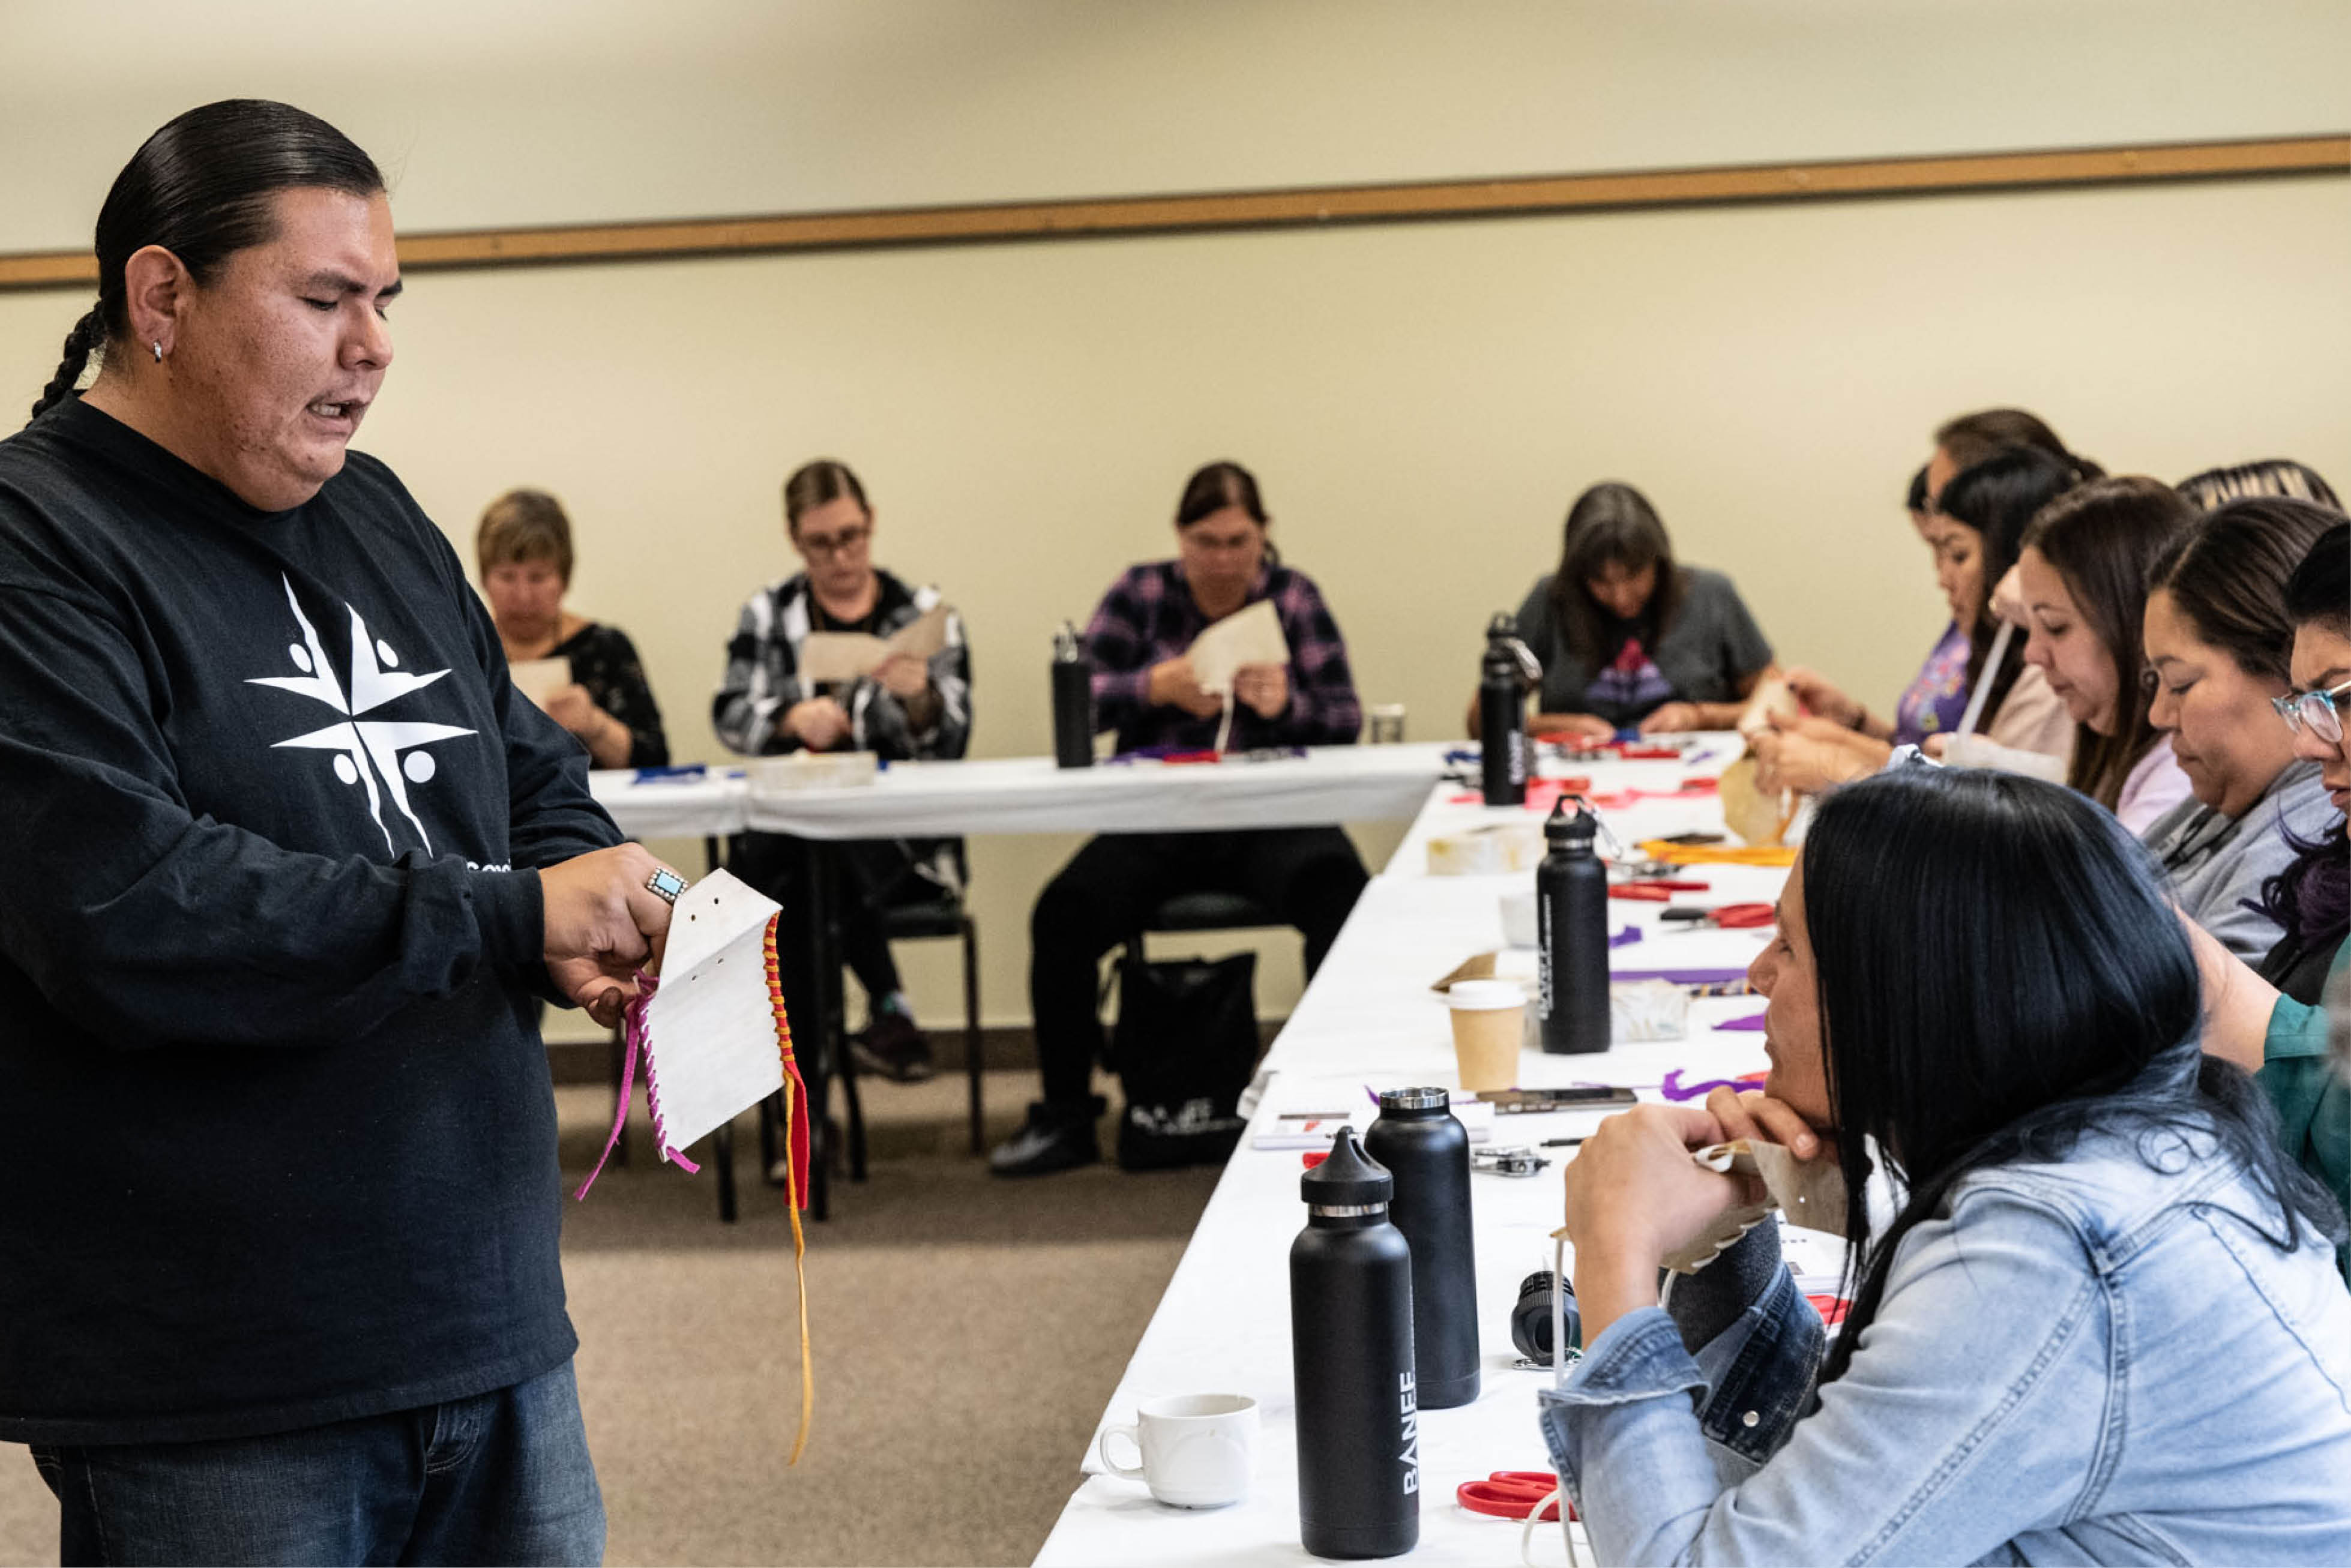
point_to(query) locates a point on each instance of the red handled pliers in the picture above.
(1731, 917)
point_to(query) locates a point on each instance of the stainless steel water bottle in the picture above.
(1426, 1151)
(1351, 1362)
(1502, 716)
(1571, 937)
(1073, 701)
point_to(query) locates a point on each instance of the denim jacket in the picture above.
(2089, 1361)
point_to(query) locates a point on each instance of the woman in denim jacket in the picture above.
(2106, 1325)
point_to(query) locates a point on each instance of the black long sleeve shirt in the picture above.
(280, 1148)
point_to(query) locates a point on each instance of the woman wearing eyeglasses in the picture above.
(908, 708)
(2218, 640)
(2273, 1020)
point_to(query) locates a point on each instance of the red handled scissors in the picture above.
(1512, 1494)
(1731, 917)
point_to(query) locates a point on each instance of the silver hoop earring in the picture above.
(158, 345)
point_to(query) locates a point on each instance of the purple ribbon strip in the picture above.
(1673, 1088)
(633, 1044)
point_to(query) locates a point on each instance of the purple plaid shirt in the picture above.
(1149, 616)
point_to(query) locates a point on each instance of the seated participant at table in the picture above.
(2106, 1325)
(1963, 442)
(2083, 575)
(524, 550)
(2269, 477)
(2221, 643)
(2274, 1022)
(1979, 519)
(1144, 688)
(909, 708)
(1628, 637)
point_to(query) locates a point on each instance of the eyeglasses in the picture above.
(817, 547)
(2321, 711)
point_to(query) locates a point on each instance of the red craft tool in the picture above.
(1512, 1495)
(1731, 917)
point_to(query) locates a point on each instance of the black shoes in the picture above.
(1053, 1138)
(891, 1047)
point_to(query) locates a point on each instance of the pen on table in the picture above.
(1562, 1142)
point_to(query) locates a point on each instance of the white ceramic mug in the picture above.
(1196, 1448)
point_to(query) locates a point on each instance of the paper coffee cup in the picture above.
(1489, 1016)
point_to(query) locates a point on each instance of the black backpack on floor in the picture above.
(1183, 1047)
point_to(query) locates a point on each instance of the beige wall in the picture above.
(1421, 402)
(525, 111)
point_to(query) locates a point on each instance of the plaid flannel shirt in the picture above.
(1149, 616)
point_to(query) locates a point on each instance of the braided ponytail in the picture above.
(88, 334)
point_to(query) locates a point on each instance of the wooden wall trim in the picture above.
(1012, 222)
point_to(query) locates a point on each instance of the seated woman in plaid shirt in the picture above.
(908, 708)
(1144, 688)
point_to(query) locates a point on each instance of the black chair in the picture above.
(943, 917)
(1203, 912)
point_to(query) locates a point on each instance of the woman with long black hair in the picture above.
(1628, 636)
(2105, 1324)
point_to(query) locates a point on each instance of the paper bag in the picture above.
(1811, 1193)
(1252, 635)
(713, 1022)
(830, 657)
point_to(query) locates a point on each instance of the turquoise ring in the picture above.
(666, 884)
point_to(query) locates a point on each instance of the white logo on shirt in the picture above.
(371, 749)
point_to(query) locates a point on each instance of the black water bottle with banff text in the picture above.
(1502, 718)
(1426, 1151)
(1571, 939)
(1352, 1364)
(1073, 701)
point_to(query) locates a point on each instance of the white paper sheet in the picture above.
(1248, 636)
(539, 679)
(711, 1027)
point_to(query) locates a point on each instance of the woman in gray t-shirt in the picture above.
(1628, 637)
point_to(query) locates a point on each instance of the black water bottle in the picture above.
(1502, 716)
(1427, 1153)
(1073, 701)
(1572, 945)
(1351, 1358)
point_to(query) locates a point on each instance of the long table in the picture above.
(1370, 1019)
(1321, 786)
(1030, 795)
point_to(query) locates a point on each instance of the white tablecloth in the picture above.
(1370, 1020)
(701, 806)
(1028, 794)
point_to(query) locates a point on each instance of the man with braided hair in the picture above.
(289, 862)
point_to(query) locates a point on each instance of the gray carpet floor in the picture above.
(967, 1330)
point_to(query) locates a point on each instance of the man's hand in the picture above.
(904, 677)
(602, 925)
(575, 710)
(1583, 726)
(1672, 718)
(1263, 688)
(1173, 684)
(819, 723)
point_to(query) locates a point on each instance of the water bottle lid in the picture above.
(1560, 828)
(1421, 1099)
(1350, 1177)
